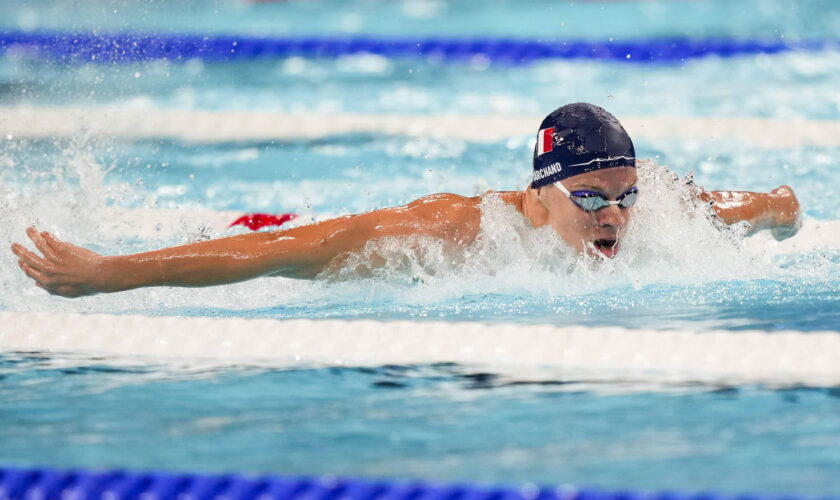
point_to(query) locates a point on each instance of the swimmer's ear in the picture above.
(536, 208)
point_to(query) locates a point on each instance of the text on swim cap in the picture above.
(544, 172)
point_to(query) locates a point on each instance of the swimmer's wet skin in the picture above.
(583, 186)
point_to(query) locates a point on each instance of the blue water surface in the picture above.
(442, 423)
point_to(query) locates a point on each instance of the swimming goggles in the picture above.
(591, 201)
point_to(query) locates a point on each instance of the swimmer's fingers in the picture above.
(33, 273)
(53, 242)
(40, 243)
(65, 270)
(29, 258)
(49, 284)
(63, 251)
(59, 249)
(787, 213)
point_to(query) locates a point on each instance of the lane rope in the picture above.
(523, 352)
(207, 127)
(46, 483)
(86, 47)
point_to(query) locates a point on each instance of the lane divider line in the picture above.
(122, 485)
(86, 47)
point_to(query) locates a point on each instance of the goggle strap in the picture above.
(559, 185)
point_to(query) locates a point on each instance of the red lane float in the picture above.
(259, 221)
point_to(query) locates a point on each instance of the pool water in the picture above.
(441, 422)
(432, 422)
(508, 18)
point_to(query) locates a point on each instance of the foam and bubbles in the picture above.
(673, 239)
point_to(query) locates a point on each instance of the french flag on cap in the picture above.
(545, 141)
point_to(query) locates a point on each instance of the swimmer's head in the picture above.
(579, 138)
(583, 158)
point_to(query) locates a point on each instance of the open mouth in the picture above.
(608, 247)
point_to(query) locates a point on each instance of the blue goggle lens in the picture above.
(592, 201)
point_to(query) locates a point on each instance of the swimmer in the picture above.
(583, 186)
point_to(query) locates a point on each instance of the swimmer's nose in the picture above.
(612, 216)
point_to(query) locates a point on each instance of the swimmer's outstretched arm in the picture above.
(302, 252)
(778, 210)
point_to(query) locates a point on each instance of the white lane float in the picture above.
(522, 352)
(243, 126)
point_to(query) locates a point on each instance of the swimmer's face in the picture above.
(591, 232)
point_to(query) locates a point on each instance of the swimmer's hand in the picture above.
(65, 269)
(785, 218)
(777, 210)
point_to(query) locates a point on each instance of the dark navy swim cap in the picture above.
(579, 138)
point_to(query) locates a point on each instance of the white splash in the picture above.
(673, 239)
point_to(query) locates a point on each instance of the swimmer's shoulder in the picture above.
(455, 217)
(515, 198)
(446, 206)
(510, 197)
(462, 206)
(449, 216)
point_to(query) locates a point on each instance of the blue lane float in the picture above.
(116, 48)
(49, 484)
